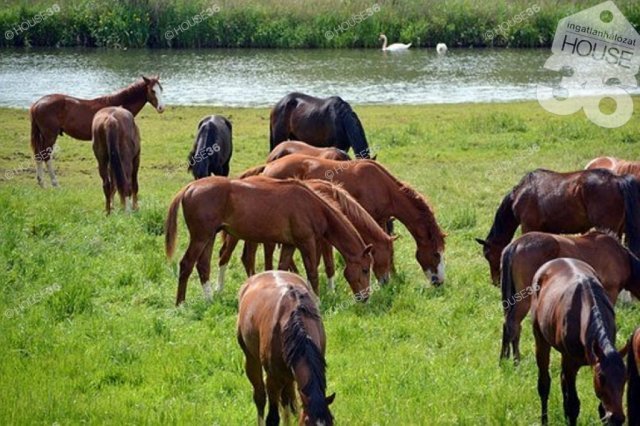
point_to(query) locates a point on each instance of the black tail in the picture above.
(506, 282)
(114, 159)
(278, 121)
(353, 129)
(633, 391)
(631, 194)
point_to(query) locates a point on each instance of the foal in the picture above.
(572, 313)
(116, 145)
(280, 331)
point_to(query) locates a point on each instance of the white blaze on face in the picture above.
(438, 276)
(157, 90)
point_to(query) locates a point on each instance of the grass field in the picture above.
(89, 333)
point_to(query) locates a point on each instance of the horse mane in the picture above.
(348, 204)
(352, 127)
(504, 221)
(597, 330)
(297, 345)
(419, 202)
(603, 231)
(126, 93)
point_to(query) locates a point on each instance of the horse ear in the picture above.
(623, 351)
(597, 351)
(146, 80)
(330, 398)
(481, 242)
(367, 250)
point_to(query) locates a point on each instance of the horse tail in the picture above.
(506, 283)
(631, 192)
(114, 158)
(255, 171)
(278, 120)
(171, 224)
(633, 391)
(352, 127)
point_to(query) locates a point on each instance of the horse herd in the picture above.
(311, 196)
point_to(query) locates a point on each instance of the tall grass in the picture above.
(288, 23)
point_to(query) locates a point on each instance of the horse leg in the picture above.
(40, 173)
(249, 257)
(106, 184)
(329, 265)
(286, 255)
(289, 402)
(204, 269)
(274, 390)
(186, 266)
(570, 398)
(310, 259)
(268, 248)
(543, 350)
(253, 369)
(134, 181)
(522, 309)
(228, 246)
(505, 352)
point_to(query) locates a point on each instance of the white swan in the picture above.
(394, 46)
(441, 48)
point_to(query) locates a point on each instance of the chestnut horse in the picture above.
(572, 313)
(380, 194)
(616, 165)
(565, 203)
(617, 267)
(263, 211)
(280, 331)
(116, 145)
(633, 391)
(319, 122)
(54, 115)
(296, 147)
(370, 231)
(212, 149)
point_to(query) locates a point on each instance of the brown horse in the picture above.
(633, 391)
(370, 231)
(565, 203)
(280, 331)
(263, 211)
(318, 122)
(116, 145)
(380, 194)
(296, 147)
(616, 165)
(572, 313)
(616, 265)
(54, 115)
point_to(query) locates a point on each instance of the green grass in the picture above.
(108, 346)
(289, 23)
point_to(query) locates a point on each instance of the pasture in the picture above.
(88, 328)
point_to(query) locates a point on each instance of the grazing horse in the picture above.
(565, 203)
(263, 211)
(296, 147)
(116, 145)
(380, 194)
(572, 313)
(54, 115)
(280, 331)
(212, 149)
(319, 122)
(370, 231)
(617, 267)
(633, 391)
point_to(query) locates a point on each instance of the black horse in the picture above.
(212, 150)
(319, 122)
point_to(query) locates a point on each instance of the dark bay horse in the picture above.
(296, 147)
(565, 203)
(263, 211)
(633, 390)
(212, 149)
(116, 145)
(380, 194)
(369, 230)
(617, 267)
(572, 313)
(54, 115)
(280, 331)
(319, 122)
